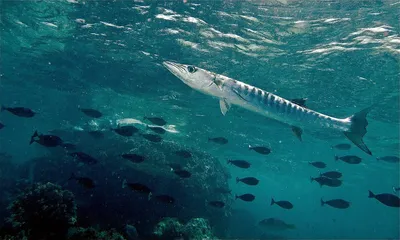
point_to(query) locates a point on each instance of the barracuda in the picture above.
(291, 112)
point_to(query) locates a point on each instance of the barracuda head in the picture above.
(196, 78)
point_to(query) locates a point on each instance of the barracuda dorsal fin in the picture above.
(297, 132)
(224, 106)
(299, 101)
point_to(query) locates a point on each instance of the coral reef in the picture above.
(92, 234)
(168, 228)
(197, 229)
(194, 229)
(43, 211)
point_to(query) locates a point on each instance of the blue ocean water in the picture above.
(343, 56)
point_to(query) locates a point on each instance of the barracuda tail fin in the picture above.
(358, 129)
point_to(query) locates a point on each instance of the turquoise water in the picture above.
(341, 55)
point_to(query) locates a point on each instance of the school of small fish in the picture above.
(327, 178)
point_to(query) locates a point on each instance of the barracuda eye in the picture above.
(191, 69)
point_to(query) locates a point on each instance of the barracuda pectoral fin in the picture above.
(224, 106)
(297, 132)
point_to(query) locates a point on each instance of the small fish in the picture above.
(390, 159)
(131, 232)
(386, 198)
(342, 146)
(152, 137)
(223, 190)
(282, 204)
(396, 189)
(260, 149)
(126, 131)
(68, 146)
(136, 187)
(158, 130)
(84, 158)
(91, 112)
(218, 140)
(84, 181)
(246, 197)
(135, 158)
(156, 120)
(19, 111)
(183, 153)
(252, 181)
(349, 159)
(330, 182)
(46, 140)
(217, 204)
(239, 163)
(165, 199)
(2, 125)
(276, 224)
(318, 164)
(331, 174)
(182, 173)
(96, 134)
(336, 203)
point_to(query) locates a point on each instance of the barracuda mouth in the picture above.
(175, 68)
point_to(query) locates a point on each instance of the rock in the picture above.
(43, 211)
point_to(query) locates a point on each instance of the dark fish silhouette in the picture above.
(331, 174)
(91, 112)
(336, 203)
(182, 173)
(126, 131)
(19, 111)
(246, 197)
(2, 125)
(239, 163)
(217, 204)
(46, 140)
(390, 159)
(386, 198)
(84, 158)
(136, 187)
(68, 146)
(260, 149)
(156, 120)
(158, 130)
(349, 159)
(84, 181)
(223, 190)
(96, 134)
(165, 199)
(300, 101)
(396, 189)
(330, 182)
(275, 224)
(175, 166)
(282, 204)
(252, 181)
(318, 164)
(219, 140)
(342, 146)
(152, 137)
(133, 157)
(183, 153)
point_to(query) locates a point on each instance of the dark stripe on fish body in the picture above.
(271, 100)
(259, 95)
(253, 93)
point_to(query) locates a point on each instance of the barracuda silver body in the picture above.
(233, 92)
